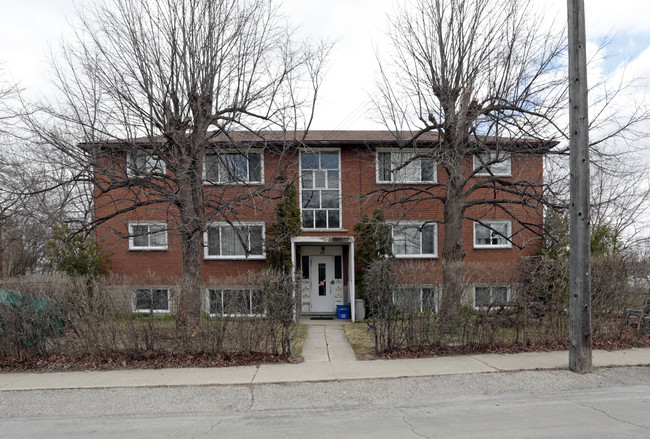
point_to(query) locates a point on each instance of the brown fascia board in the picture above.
(327, 138)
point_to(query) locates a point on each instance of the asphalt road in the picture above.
(540, 404)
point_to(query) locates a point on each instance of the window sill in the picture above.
(494, 308)
(237, 315)
(324, 230)
(416, 256)
(235, 258)
(481, 175)
(155, 311)
(246, 183)
(394, 183)
(492, 247)
(148, 249)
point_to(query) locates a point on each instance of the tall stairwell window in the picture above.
(320, 194)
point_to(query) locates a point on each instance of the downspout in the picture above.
(351, 281)
(293, 264)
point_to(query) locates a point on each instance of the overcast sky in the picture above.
(29, 28)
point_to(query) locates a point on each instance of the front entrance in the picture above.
(322, 284)
(321, 263)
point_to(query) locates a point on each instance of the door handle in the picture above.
(332, 282)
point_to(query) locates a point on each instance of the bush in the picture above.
(102, 322)
(538, 312)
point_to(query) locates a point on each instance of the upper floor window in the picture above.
(147, 236)
(404, 166)
(492, 234)
(497, 163)
(415, 240)
(233, 167)
(491, 295)
(144, 162)
(243, 241)
(151, 300)
(320, 185)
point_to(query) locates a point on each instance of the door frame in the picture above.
(341, 241)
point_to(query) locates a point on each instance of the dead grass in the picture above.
(298, 340)
(361, 340)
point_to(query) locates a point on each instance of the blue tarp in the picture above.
(30, 318)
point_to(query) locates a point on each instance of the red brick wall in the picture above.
(361, 196)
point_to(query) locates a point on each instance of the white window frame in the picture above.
(436, 296)
(502, 168)
(327, 188)
(413, 152)
(221, 290)
(491, 288)
(259, 152)
(147, 310)
(162, 225)
(508, 242)
(249, 257)
(415, 224)
(149, 168)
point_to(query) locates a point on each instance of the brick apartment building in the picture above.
(340, 177)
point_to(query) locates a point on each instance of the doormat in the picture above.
(321, 318)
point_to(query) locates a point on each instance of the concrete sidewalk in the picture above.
(328, 357)
(314, 371)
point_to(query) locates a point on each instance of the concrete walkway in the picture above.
(326, 342)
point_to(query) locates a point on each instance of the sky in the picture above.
(29, 29)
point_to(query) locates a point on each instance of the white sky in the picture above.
(28, 28)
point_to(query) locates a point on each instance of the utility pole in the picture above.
(580, 257)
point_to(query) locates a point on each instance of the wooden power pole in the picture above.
(580, 258)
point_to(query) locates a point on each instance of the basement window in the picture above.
(151, 300)
(491, 295)
(235, 302)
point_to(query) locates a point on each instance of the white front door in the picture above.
(322, 284)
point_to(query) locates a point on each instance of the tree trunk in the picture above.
(190, 207)
(453, 252)
(189, 306)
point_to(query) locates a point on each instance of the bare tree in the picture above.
(485, 78)
(8, 93)
(169, 77)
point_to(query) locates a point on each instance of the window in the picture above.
(320, 181)
(144, 162)
(403, 166)
(243, 241)
(233, 167)
(491, 295)
(492, 234)
(235, 302)
(147, 236)
(151, 300)
(416, 298)
(415, 240)
(497, 163)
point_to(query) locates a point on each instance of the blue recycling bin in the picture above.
(343, 312)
